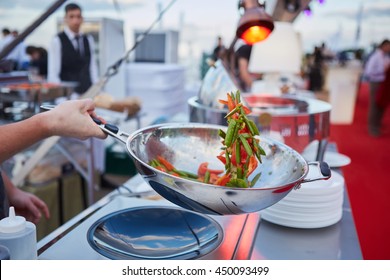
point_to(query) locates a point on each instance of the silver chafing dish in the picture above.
(293, 120)
(21, 99)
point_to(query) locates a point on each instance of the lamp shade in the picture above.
(280, 53)
(255, 25)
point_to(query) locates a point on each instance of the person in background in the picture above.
(219, 51)
(38, 59)
(71, 118)
(17, 55)
(71, 53)
(315, 72)
(327, 54)
(374, 72)
(242, 56)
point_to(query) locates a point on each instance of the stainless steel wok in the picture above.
(188, 145)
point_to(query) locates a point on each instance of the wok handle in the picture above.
(112, 130)
(324, 171)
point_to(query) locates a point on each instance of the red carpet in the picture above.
(367, 178)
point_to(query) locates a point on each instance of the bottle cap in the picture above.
(12, 223)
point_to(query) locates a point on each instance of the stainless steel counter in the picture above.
(70, 242)
(268, 241)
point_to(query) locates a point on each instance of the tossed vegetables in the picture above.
(241, 148)
(240, 153)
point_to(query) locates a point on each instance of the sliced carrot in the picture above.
(166, 163)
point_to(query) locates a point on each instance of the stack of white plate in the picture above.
(316, 204)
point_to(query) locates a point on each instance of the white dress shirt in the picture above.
(54, 57)
(376, 66)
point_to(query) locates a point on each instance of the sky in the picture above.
(201, 21)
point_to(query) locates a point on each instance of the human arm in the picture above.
(26, 204)
(54, 61)
(71, 118)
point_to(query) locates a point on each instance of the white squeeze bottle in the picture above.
(19, 236)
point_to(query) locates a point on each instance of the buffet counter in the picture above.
(32, 94)
(244, 236)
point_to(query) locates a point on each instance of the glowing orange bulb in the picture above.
(255, 34)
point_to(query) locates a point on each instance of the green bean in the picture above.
(235, 135)
(255, 179)
(257, 153)
(238, 96)
(246, 145)
(228, 162)
(222, 133)
(247, 122)
(246, 135)
(186, 173)
(238, 152)
(155, 163)
(235, 110)
(240, 173)
(254, 127)
(230, 132)
(239, 183)
(261, 150)
(232, 96)
(207, 177)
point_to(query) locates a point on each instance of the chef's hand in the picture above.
(28, 205)
(25, 204)
(72, 118)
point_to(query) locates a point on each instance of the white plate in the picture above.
(312, 198)
(334, 160)
(319, 188)
(317, 223)
(308, 206)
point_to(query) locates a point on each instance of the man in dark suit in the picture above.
(71, 54)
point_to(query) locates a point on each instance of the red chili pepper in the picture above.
(252, 165)
(231, 104)
(215, 171)
(202, 168)
(224, 102)
(222, 181)
(213, 178)
(222, 159)
(246, 110)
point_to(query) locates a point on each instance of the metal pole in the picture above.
(30, 29)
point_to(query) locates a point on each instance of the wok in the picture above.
(188, 145)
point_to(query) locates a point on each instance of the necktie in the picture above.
(78, 50)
